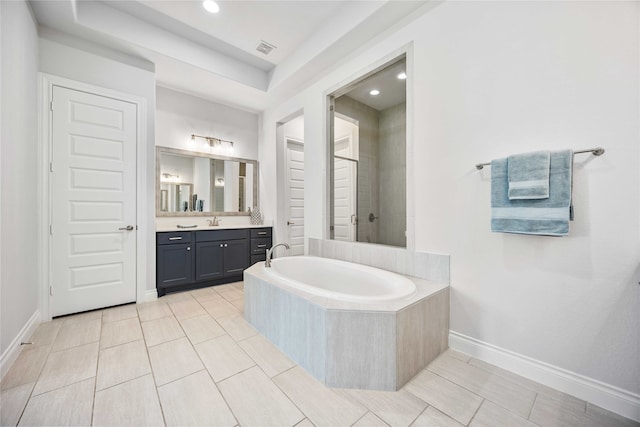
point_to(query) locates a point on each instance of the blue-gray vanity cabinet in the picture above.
(221, 253)
(174, 260)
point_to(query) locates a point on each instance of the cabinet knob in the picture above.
(225, 245)
(188, 248)
(221, 245)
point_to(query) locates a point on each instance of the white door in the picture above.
(345, 184)
(295, 197)
(93, 202)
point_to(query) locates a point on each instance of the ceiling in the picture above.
(392, 90)
(214, 56)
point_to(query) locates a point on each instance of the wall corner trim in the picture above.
(13, 351)
(149, 295)
(607, 396)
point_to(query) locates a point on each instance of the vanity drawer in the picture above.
(173, 237)
(260, 232)
(259, 246)
(214, 235)
(258, 258)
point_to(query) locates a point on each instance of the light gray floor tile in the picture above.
(223, 357)
(194, 401)
(161, 330)
(320, 404)
(186, 308)
(67, 367)
(177, 296)
(237, 327)
(565, 399)
(133, 403)
(431, 417)
(458, 355)
(205, 294)
(238, 303)
(503, 391)
(238, 285)
(201, 328)
(266, 355)
(305, 423)
(453, 400)
(173, 360)
(26, 369)
(396, 408)
(219, 308)
(122, 363)
(609, 418)
(45, 334)
(119, 313)
(370, 420)
(75, 332)
(256, 401)
(120, 332)
(490, 415)
(153, 310)
(67, 406)
(12, 403)
(229, 292)
(80, 317)
(551, 412)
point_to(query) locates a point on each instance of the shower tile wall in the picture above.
(368, 199)
(392, 167)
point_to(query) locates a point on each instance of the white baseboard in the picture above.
(13, 351)
(150, 295)
(609, 397)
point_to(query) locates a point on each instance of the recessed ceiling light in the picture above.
(402, 75)
(211, 6)
(374, 92)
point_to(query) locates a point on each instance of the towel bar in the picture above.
(598, 151)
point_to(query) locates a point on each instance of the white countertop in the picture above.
(163, 228)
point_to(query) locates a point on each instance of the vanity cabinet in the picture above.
(194, 259)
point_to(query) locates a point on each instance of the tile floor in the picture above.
(191, 359)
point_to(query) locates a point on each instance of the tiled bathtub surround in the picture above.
(434, 267)
(378, 346)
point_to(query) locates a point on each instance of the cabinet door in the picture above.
(236, 257)
(209, 260)
(174, 264)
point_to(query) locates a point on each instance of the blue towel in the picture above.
(546, 217)
(529, 175)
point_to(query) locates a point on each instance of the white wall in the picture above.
(488, 79)
(18, 169)
(179, 115)
(88, 67)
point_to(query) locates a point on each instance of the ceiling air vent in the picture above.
(265, 47)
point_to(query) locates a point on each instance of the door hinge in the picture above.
(51, 167)
(51, 105)
(330, 108)
(51, 229)
(50, 291)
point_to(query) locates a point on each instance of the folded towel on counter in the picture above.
(529, 175)
(546, 217)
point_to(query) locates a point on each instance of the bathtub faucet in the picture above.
(267, 262)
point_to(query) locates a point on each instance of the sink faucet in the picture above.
(213, 222)
(267, 262)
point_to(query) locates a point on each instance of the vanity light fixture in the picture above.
(215, 142)
(402, 75)
(170, 177)
(374, 92)
(211, 6)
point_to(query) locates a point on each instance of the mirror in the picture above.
(368, 173)
(189, 183)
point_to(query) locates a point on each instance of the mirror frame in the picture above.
(166, 150)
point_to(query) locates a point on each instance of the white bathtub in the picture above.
(349, 325)
(341, 280)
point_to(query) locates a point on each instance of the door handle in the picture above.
(290, 223)
(127, 228)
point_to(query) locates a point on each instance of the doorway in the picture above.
(292, 134)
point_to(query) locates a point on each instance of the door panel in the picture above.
(93, 195)
(295, 199)
(175, 264)
(209, 260)
(236, 257)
